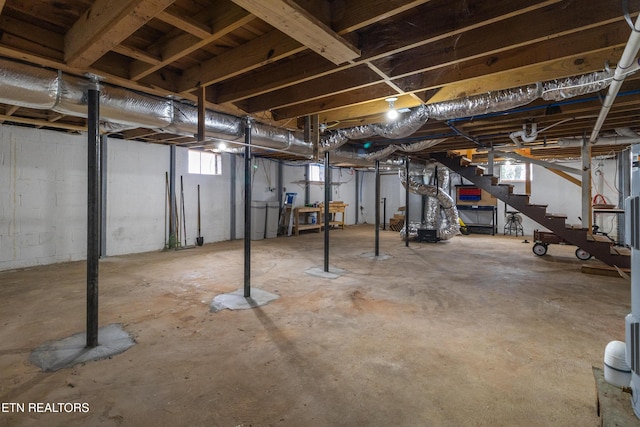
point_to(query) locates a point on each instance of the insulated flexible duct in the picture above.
(449, 225)
(40, 88)
(438, 177)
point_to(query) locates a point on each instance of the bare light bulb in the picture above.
(392, 113)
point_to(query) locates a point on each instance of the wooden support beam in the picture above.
(140, 55)
(299, 24)
(103, 26)
(261, 51)
(226, 20)
(566, 176)
(185, 23)
(43, 123)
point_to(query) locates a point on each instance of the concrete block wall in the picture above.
(43, 197)
(136, 196)
(215, 198)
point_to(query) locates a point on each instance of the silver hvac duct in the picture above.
(40, 88)
(449, 225)
(437, 177)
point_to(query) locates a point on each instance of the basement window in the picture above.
(205, 163)
(316, 173)
(516, 172)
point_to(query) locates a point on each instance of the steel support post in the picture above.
(173, 213)
(247, 207)
(384, 213)
(377, 202)
(357, 197)
(327, 198)
(406, 207)
(93, 212)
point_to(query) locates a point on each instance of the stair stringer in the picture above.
(520, 202)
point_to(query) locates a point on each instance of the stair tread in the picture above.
(598, 238)
(619, 250)
(556, 215)
(574, 227)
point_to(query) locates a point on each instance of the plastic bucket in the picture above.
(616, 370)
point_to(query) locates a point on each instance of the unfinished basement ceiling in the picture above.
(280, 61)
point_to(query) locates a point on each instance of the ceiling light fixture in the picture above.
(392, 114)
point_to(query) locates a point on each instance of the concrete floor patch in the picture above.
(372, 255)
(236, 300)
(70, 351)
(333, 273)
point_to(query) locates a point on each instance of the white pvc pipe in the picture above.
(627, 60)
(614, 140)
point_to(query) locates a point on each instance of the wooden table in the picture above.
(336, 208)
(306, 225)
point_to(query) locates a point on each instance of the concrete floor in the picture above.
(476, 331)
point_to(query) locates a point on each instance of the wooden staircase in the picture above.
(598, 246)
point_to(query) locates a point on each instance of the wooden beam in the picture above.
(548, 70)
(358, 14)
(185, 23)
(258, 52)
(465, 45)
(342, 81)
(588, 42)
(543, 54)
(566, 176)
(226, 20)
(103, 26)
(302, 26)
(140, 55)
(44, 123)
(442, 25)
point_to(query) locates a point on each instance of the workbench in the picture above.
(305, 212)
(334, 209)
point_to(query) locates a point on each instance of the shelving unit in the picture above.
(619, 213)
(479, 207)
(479, 225)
